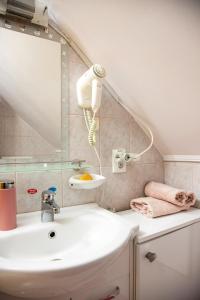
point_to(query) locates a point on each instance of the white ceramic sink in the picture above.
(32, 264)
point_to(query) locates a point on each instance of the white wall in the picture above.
(150, 50)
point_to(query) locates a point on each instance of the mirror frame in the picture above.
(50, 34)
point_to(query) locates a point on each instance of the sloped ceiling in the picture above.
(151, 52)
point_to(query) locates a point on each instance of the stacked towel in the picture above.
(153, 208)
(191, 198)
(170, 194)
(162, 200)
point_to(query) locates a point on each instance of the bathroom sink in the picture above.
(50, 259)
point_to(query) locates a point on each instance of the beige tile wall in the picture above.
(185, 175)
(117, 130)
(18, 138)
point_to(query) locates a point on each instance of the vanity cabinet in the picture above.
(104, 284)
(168, 267)
(196, 260)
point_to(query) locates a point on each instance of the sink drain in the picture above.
(52, 234)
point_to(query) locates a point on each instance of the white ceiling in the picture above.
(151, 51)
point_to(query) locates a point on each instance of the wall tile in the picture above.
(110, 107)
(196, 178)
(18, 138)
(78, 141)
(138, 139)
(13, 146)
(119, 189)
(185, 175)
(16, 126)
(6, 109)
(75, 71)
(40, 146)
(139, 142)
(114, 133)
(25, 146)
(179, 175)
(2, 126)
(152, 172)
(41, 181)
(146, 173)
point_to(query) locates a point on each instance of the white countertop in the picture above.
(152, 228)
(148, 228)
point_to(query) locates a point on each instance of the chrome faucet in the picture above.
(48, 206)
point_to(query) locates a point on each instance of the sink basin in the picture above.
(50, 259)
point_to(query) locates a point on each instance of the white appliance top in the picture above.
(151, 228)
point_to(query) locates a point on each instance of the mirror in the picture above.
(30, 96)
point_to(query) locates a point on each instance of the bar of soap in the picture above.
(86, 176)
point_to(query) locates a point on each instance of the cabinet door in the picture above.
(103, 290)
(114, 275)
(170, 274)
(196, 260)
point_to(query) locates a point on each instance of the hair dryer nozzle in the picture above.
(99, 70)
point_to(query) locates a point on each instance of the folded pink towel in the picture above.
(191, 199)
(153, 208)
(167, 193)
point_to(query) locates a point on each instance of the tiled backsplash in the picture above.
(117, 130)
(184, 175)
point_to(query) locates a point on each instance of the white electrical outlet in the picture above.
(131, 157)
(118, 162)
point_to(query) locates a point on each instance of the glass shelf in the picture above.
(43, 166)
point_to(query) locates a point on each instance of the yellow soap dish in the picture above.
(85, 176)
(76, 183)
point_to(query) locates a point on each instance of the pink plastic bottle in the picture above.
(8, 209)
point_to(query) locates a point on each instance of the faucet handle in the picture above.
(52, 189)
(48, 196)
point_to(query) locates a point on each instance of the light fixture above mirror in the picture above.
(33, 11)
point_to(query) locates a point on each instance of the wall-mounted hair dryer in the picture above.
(89, 88)
(89, 92)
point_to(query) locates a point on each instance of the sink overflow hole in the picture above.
(52, 234)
